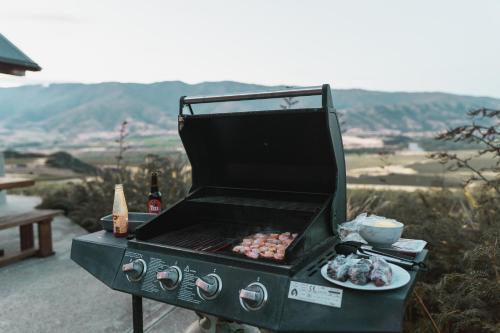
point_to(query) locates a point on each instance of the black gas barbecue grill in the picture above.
(266, 171)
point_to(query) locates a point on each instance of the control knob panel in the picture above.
(170, 278)
(253, 297)
(135, 270)
(209, 286)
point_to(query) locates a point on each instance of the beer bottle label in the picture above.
(154, 206)
(120, 224)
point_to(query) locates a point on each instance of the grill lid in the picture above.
(296, 150)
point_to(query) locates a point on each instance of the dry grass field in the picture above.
(407, 169)
(401, 170)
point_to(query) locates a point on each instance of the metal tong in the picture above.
(364, 250)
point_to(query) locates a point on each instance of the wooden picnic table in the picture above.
(25, 221)
(7, 182)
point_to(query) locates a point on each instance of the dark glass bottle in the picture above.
(154, 198)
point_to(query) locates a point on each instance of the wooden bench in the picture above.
(25, 221)
(7, 182)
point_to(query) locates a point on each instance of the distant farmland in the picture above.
(402, 169)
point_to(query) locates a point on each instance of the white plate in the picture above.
(400, 277)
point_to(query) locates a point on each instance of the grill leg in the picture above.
(137, 314)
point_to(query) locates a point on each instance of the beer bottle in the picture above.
(154, 198)
(120, 213)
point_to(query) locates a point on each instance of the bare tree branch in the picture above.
(484, 131)
(289, 103)
(122, 145)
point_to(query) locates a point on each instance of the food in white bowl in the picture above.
(381, 232)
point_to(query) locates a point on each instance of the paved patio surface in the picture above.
(55, 295)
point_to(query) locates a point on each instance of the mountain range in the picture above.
(75, 113)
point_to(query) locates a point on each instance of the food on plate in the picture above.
(265, 245)
(360, 271)
(334, 265)
(338, 268)
(381, 273)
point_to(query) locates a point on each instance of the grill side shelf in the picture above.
(356, 313)
(99, 253)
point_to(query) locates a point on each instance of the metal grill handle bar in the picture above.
(188, 100)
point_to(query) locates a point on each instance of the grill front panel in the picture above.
(226, 304)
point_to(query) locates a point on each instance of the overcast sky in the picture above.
(451, 46)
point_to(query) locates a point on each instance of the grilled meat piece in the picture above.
(252, 254)
(271, 245)
(239, 249)
(381, 273)
(338, 268)
(359, 273)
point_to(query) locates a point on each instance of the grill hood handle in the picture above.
(315, 91)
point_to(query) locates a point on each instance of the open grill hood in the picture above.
(296, 150)
(286, 150)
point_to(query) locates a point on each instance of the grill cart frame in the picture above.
(277, 170)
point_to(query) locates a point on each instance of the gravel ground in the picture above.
(54, 294)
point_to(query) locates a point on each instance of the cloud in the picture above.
(63, 18)
(43, 17)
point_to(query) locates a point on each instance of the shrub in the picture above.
(461, 290)
(85, 203)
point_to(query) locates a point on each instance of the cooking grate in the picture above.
(210, 237)
(198, 237)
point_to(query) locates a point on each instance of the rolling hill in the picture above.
(75, 113)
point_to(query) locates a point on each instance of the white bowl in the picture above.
(381, 233)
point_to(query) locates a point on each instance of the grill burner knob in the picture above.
(209, 286)
(170, 278)
(135, 270)
(253, 297)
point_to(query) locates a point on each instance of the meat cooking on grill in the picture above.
(265, 245)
